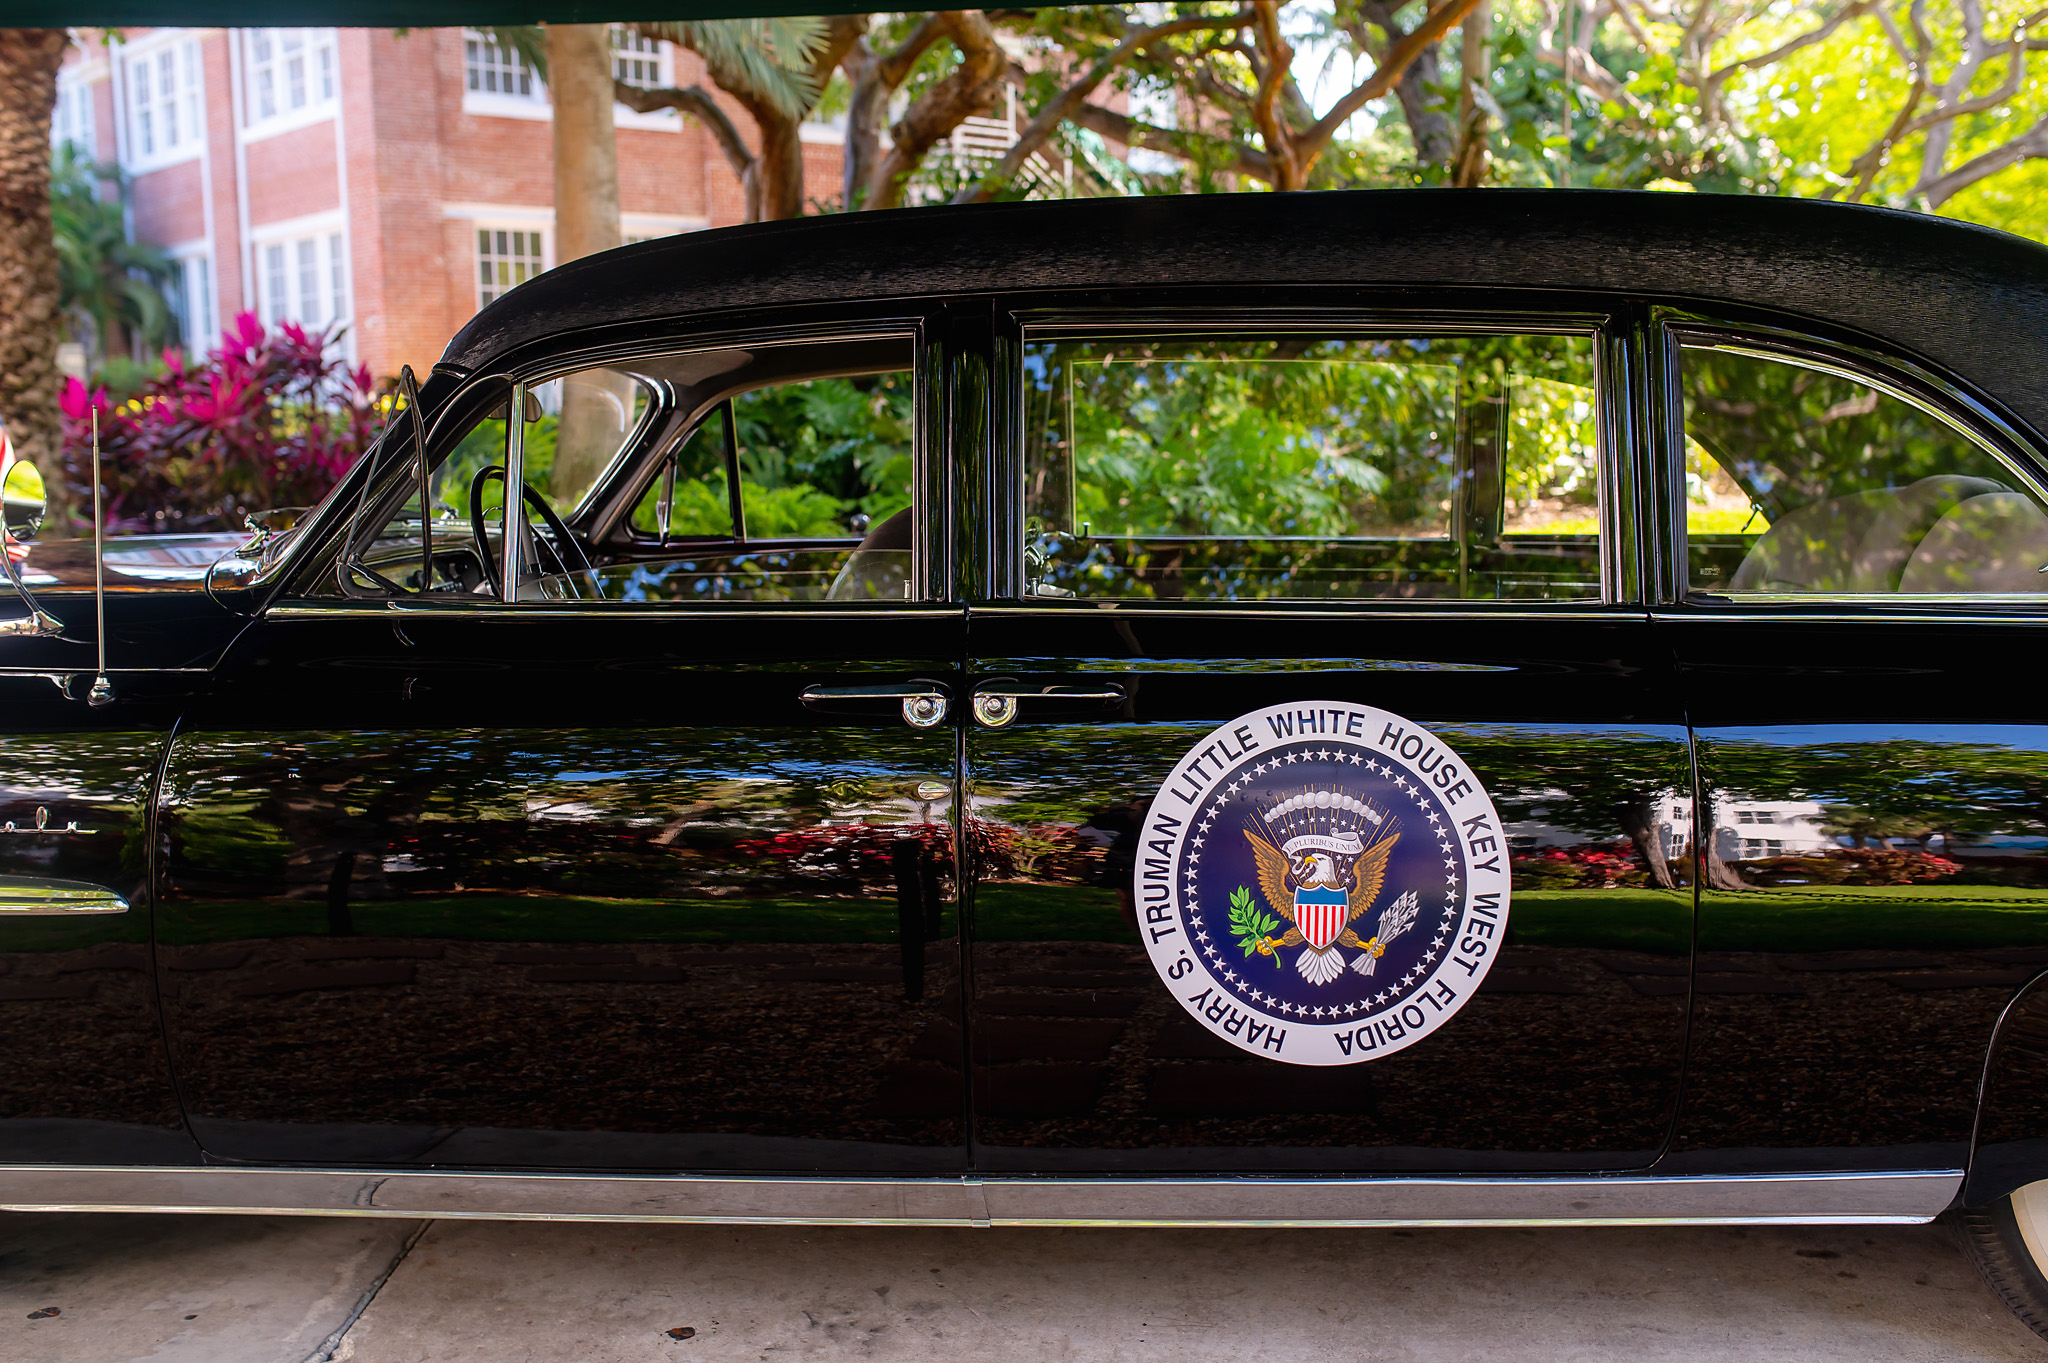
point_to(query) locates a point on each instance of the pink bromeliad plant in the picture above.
(269, 419)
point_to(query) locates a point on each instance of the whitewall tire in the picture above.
(2008, 1242)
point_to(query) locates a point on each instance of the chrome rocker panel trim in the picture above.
(1904, 1197)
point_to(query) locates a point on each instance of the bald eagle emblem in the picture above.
(1322, 861)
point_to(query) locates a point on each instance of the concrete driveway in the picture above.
(281, 1290)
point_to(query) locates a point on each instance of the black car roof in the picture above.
(1970, 299)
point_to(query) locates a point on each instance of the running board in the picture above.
(1906, 1196)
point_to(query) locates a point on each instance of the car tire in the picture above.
(2008, 1242)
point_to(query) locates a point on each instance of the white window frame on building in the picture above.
(72, 119)
(643, 62)
(497, 82)
(507, 254)
(302, 272)
(290, 77)
(647, 226)
(198, 304)
(164, 92)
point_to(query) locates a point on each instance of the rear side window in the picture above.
(1808, 481)
(1255, 467)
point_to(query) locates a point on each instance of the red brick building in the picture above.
(393, 184)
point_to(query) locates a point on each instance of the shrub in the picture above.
(268, 420)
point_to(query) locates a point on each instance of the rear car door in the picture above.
(1327, 782)
(631, 862)
(1859, 584)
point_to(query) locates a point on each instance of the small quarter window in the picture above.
(1257, 467)
(1808, 481)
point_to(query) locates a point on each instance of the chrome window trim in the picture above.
(1862, 364)
(560, 366)
(1886, 1197)
(1701, 614)
(1390, 322)
(560, 362)
(597, 610)
(1925, 389)
(1364, 609)
(907, 327)
(1038, 326)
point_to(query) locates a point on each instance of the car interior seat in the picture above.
(879, 566)
(1858, 543)
(1994, 543)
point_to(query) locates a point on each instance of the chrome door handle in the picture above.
(30, 895)
(996, 701)
(924, 703)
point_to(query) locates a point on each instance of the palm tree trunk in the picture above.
(31, 323)
(781, 165)
(586, 222)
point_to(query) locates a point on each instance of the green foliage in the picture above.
(1285, 438)
(701, 508)
(765, 57)
(114, 285)
(1792, 436)
(1249, 924)
(847, 439)
(483, 447)
(811, 455)
(1824, 107)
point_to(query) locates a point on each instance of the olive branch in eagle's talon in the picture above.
(1251, 927)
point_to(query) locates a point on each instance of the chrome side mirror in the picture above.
(22, 500)
(22, 506)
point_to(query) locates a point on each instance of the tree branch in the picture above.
(1434, 25)
(1288, 171)
(1856, 9)
(1061, 107)
(1129, 132)
(698, 102)
(2030, 145)
(962, 94)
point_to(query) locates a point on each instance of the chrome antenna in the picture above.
(102, 692)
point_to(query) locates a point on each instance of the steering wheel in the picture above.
(480, 527)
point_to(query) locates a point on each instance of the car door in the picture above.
(631, 861)
(1327, 783)
(87, 1080)
(1860, 577)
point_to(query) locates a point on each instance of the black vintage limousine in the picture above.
(1368, 709)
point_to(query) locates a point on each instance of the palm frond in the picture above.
(764, 58)
(529, 41)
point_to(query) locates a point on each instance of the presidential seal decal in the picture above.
(1322, 883)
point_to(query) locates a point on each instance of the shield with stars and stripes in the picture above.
(1321, 915)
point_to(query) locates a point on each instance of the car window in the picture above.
(630, 469)
(1801, 480)
(1256, 467)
